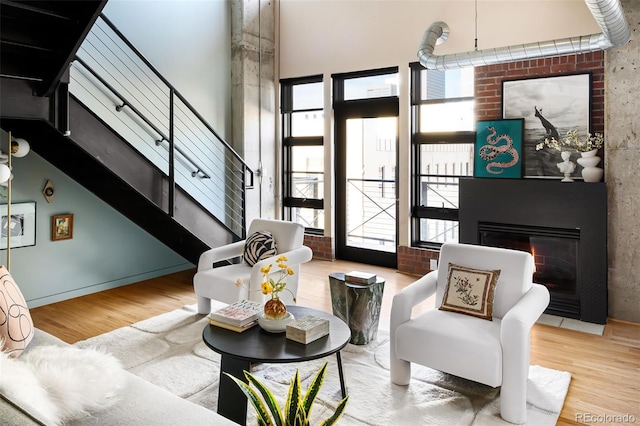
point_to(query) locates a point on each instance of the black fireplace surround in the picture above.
(577, 210)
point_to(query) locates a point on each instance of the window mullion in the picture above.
(440, 158)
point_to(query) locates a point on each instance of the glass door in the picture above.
(366, 225)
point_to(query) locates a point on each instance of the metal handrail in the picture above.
(170, 86)
(126, 78)
(148, 122)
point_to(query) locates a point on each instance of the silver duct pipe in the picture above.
(607, 13)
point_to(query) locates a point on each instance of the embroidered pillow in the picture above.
(258, 246)
(470, 291)
(16, 325)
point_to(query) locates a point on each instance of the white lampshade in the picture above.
(19, 147)
(5, 173)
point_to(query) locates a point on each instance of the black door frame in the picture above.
(363, 108)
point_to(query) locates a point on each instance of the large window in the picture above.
(302, 101)
(443, 129)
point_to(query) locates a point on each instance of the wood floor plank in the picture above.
(605, 369)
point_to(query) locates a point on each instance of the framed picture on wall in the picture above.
(20, 228)
(550, 106)
(62, 227)
(498, 148)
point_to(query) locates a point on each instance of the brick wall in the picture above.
(414, 260)
(488, 84)
(321, 246)
(488, 97)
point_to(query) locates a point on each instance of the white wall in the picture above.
(189, 42)
(341, 36)
(327, 36)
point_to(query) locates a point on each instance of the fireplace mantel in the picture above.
(550, 204)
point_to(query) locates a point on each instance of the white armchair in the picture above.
(219, 283)
(495, 353)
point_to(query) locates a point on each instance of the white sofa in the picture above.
(140, 403)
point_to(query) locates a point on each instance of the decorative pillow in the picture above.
(16, 325)
(258, 246)
(470, 291)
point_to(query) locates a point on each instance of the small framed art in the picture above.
(62, 227)
(498, 148)
(21, 228)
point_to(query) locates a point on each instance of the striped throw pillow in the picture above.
(258, 246)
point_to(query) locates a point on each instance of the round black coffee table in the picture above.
(240, 350)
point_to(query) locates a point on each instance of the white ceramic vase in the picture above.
(275, 325)
(589, 161)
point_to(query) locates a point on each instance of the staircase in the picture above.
(156, 162)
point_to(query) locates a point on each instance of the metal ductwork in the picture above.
(607, 13)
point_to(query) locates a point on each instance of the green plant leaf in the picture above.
(262, 415)
(268, 398)
(301, 417)
(313, 389)
(293, 400)
(297, 410)
(338, 413)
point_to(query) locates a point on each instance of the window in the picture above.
(442, 115)
(302, 101)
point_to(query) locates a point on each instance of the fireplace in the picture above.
(555, 254)
(563, 225)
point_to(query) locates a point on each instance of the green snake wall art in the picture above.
(492, 150)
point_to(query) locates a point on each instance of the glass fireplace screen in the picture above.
(555, 251)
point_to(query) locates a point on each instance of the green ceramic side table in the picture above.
(358, 306)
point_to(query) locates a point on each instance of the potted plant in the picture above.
(297, 408)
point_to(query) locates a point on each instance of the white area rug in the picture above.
(168, 351)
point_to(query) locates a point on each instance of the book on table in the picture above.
(361, 278)
(236, 328)
(307, 329)
(238, 313)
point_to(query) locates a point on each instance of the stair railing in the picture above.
(113, 79)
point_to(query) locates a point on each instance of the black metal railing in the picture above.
(113, 79)
(371, 213)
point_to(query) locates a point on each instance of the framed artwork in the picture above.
(62, 227)
(498, 149)
(550, 106)
(20, 228)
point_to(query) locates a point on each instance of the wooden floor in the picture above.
(605, 369)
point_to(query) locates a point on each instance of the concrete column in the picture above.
(622, 158)
(253, 99)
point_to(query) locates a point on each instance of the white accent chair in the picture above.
(219, 283)
(495, 353)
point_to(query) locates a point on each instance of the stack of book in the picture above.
(238, 316)
(360, 278)
(307, 329)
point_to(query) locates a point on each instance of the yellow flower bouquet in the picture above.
(275, 308)
(273, 284)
